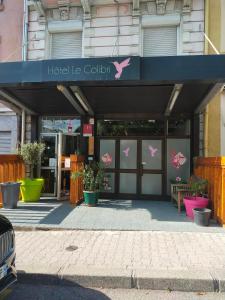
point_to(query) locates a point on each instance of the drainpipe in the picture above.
(25, 30)
(23, 127)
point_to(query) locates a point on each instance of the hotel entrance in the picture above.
(142, 167)
(146, 119)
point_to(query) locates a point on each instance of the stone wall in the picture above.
(117, 30)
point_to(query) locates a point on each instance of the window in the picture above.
(130, 128)
(60, 124)
(5, 142)
(66, 45)
(160, 41)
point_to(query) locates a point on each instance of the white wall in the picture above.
(100, 32)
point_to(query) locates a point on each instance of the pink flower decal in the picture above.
(178, 179)
(178, 159)
(107, 159)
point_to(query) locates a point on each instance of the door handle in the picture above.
(142, 167)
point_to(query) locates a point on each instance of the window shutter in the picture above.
(5, 142)
(160, 41)
(66, 45)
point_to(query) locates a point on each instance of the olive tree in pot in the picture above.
(31, 187)
(93, 178)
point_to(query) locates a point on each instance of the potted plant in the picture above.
(31, 187)
(198, 199)
(93, 178)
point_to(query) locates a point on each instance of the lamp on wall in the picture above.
(69, 96)
(174, 95)
(82, 100)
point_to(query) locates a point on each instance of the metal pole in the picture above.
(23, 127)
(59, 165)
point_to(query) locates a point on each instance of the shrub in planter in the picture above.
(31, 187)
(199, 197)
(93, 178)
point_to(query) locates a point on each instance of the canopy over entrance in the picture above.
(113, 86)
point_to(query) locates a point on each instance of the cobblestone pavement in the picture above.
(121, 249)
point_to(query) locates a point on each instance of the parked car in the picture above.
(7, 254)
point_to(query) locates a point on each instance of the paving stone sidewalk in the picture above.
(81, 253)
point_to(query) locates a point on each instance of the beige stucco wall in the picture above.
(11, 28)
(222, 26)
(213, 30)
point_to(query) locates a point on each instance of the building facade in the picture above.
(11, 35)
(124, 82)
(62, 29)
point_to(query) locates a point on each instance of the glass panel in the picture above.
(128, 183)
(60, 124)
(178, 160)
(179, 127)
(109, 183)
(49, 158)
(107, 153)
(151, 184)
(152, 154)
(49, 181)
(128, 154)
(130, 128)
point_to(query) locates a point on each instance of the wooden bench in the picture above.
(178, 192)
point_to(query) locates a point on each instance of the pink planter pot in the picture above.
(194, 202)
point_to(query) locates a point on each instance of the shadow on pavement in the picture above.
(52, 292)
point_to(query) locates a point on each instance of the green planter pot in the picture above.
(31, 189)
(90, 198)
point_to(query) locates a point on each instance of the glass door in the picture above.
(134, 167)
(151, 167)
(128, 167)
(49, 164)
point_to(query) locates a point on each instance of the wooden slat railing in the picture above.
(12, 168)
(76, 186)
(213, 169)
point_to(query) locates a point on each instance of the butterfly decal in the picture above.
(126, 151)
(152, 150)
(178, 159)
(107, 158)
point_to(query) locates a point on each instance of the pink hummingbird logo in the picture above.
(152, 150)
(126, 151)
(120, 66)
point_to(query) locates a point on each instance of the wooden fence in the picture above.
(76, 186)
(213, 169)
(12, 168)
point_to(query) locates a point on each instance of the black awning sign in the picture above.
(127, 68)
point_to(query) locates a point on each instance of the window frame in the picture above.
(62, 27)
(161, 21)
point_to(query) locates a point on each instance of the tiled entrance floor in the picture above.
(108, 215)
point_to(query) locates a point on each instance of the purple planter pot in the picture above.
(194, 202)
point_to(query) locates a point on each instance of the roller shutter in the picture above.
(66, 45)
(160, 41)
